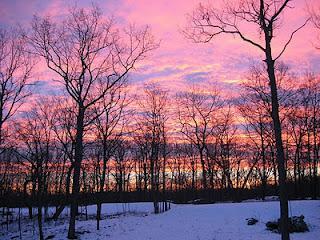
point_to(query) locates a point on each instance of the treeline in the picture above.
(160, 142)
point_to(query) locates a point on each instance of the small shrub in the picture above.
(296, 224)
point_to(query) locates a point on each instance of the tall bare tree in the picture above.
(255, 106)
(15, 72)
(90, 55)
(265, 16)
(34, 134)
(64, 128)
(305, 129)
(152, 122)
(108, 128)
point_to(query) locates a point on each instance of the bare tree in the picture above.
(90, 55)
(108, 128)
(255, 106)
(304, 130)
(34, 133)
(123, 166)
(265, 16)
(258, 126)
(64, 128)
(198, 119)
(15, 71)
(151, 122)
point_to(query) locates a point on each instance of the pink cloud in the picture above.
(225, 59)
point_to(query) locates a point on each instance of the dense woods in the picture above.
(199, 146)
(99, 142)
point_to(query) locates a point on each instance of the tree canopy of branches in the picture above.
(198, 118)
(152, 133)
(207, 22)
(90, 55)
(16, 64)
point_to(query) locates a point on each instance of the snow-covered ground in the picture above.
(186, 222)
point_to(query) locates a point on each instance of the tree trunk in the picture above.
(98, 214)
(40, 222)
(315, 160)
(279, 144)
(264, 178)
(30, 212)
(39, 203)
(76, 173)
(204, 174)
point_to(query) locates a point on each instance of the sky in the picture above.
(179, 63)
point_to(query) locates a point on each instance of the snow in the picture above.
(189, 222)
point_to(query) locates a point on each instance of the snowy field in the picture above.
(221, 221)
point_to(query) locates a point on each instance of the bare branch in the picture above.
(290, 38)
